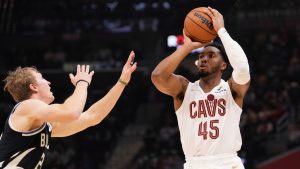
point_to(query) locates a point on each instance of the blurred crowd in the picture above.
(79, 16)
(50, 34)
(93, 16)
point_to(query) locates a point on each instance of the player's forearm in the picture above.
(99, 110)
(236, 57)
(168, 66)
(75, 103)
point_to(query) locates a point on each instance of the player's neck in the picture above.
(38, 97)
(209, 82)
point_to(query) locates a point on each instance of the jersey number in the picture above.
(213, 129)
(39, 165)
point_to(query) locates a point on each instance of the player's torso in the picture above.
(24, 149)
(209, 122)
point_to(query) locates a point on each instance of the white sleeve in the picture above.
(236, 57)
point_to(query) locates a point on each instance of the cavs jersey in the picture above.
(23, 150)
(209, 122)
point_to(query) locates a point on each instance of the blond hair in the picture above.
(17, 83)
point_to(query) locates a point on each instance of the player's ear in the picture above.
(224, 66)
(33, 87)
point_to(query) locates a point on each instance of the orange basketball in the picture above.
(198, 26)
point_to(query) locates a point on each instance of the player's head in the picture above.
(218, 44)
(213, 59)
(23, 83)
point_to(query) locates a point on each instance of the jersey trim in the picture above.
(11, 125)
(35, 131)
(28, 133)
(49, 126)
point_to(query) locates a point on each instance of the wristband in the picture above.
(81, 80)
(122, 82)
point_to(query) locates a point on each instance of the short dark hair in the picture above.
(218, 44)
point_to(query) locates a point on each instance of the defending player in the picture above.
(34, 119)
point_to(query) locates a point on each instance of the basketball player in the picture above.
(208, 110)
(34, 119)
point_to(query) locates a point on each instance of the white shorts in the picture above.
(224, 161)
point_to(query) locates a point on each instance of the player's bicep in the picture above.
(238, 91)
(238, 88)
(173, 85)
(49, 113)
(67, 129)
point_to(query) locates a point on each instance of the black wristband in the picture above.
(81, 80)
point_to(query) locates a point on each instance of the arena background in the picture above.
(141, 132)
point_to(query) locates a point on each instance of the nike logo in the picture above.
(219, 91)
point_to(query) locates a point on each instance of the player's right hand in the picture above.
(192, 45)
(83, 73)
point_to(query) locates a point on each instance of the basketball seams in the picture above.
(201, 13)
(193, 37)
(200, 26)
(207, 16)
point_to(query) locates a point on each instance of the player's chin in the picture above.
(51, 98)
(203, 74)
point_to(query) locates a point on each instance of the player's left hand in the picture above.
(217, 18)
(128, 68)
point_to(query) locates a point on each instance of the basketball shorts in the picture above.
(224, 161)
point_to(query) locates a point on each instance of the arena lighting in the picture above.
(154, 5)
(176, 41)
(140, 6)
(112, 5)
(166, 5)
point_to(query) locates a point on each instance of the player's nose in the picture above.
(204, 58)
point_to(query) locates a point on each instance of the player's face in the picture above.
(43, 88)
(210, 61)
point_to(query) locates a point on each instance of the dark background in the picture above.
(141, 132)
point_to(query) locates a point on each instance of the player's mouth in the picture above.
(203, 66)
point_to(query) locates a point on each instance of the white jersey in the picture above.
(209, 122)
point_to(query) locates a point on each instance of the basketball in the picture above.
(198, 26)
